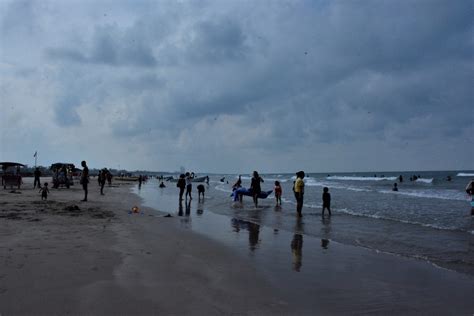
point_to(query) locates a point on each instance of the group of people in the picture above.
(185, 182)
(255, 191)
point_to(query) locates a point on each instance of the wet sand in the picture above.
(63, 256)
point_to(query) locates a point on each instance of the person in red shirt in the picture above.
(278, 193)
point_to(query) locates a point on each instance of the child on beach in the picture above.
(201, 190)
(44, 191)
(326, 201)
(278, 192)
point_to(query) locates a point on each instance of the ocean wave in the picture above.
(347, 178)
(223, 188)
(424, 180)
(431, 194)
(375, 216)
(311, 182)
(462, 174)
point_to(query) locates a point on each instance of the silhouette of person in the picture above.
(326, 201)
(201, 189)
(84, 178)
(255, 187)
(181, 184)
(37, 182)
(298, 189)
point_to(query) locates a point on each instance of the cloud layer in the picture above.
(226, 86)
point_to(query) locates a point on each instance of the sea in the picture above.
(428, 219)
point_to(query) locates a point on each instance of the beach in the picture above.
(63, 256)
(102, 260)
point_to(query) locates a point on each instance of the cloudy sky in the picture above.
(236, 86)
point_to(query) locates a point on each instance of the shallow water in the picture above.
(428, 220)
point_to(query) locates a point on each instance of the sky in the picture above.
(231, 86)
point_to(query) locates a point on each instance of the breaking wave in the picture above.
(361, 178)
(462, 174)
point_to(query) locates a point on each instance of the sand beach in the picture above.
(63, 256)
(99, 259)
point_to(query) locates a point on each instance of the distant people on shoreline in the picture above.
(140, 180)
(102, 179)
(326, 201)
(395, 187)
(84, 179)
(470, 191)
(255, 187)
(298, 189)
(400, 178)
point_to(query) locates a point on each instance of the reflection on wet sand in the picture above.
(188, 208)
(297, 251)
(325, 232)
(180, 209)
(253, 229)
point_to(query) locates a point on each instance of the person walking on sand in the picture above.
(470, 191)
(44, 191)
(255, 187)
(84, 179)
(326, 201)
(299, 192)
(278, 193)
(37, 174)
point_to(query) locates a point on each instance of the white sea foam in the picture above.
(375, 216)
(361, 178)
(431, 194)
(462, 174)
(311, 182)
(223, 188)
(424, 180)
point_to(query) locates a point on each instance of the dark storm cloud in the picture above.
(292, 75)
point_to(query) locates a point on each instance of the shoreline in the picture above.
(392, 284)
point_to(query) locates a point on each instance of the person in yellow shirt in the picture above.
(298, 188)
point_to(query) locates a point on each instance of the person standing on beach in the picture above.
(255, 187)
(84, 179)
(189, 185)
(181, 184)
(102, 179)
(278, 193)
(326, 201)
(299, 192)
(37, 174)
(470, 191)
